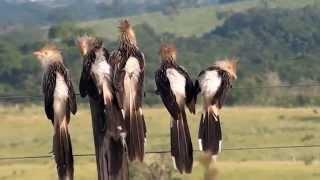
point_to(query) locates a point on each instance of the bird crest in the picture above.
(168, 52)
(87, 43)
(48, 54)
(50, 47)
(127, 34)
(229, 65)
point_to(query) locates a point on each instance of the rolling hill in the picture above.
(189, 21)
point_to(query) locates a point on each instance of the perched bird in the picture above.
(176, 90)
(213, 84)
(107, 120)
(60, 100)
(128, 83)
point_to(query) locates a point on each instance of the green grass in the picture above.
(25, 131)
(189, 21)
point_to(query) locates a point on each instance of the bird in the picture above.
(128, 83)
(175, 88)
(213, 84)
(108, 123)
(59, 101)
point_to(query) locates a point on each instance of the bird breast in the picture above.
(210, 82)
(61, 94)
(177, 83)
(132, 67)
(61, 89)
(101, 71)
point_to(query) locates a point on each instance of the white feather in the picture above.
(177, 83)
(210, 82)
(220, 146)
(200, 144)
(131, 79)
(132, 66)
(101, 70)
(60, 97)
(61, 89)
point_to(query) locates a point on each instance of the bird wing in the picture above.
(197, 87)
(189, 89)
(118, 76)
(140, 56)
(220, 95)
(72, 96)
(72, 101)
(86, 79)
(166, 94)
(48, 86)
(216, 82)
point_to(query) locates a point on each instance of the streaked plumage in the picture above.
(60, 100)
(176, 90)
(213, 84)
(107, 120)
(128, 83)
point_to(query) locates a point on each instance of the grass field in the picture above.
(188, 22)
(25, 132)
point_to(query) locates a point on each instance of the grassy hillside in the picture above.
(190, 21)
(24, 131)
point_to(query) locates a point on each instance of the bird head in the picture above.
(48, 54)
(228, 65)
(86, 43)
(168, 52)
(127, 34)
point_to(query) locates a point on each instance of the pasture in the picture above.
(24, 131)
(187, 22)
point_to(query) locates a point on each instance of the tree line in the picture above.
(275, 47)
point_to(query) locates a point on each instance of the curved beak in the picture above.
(235, 76)
(37, 53)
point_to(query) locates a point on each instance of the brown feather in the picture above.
(168, 52)
(127, 34)
(229, 65)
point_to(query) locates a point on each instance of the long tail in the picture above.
(112, 154)
(62, 150)
(210, 138)
(181, 145)
(136, 134)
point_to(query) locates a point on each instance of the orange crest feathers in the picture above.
(86, 43)
(168, 52)
(124, 26)
(50, 47)
(127, 32)
(49, 52)
(229, 65)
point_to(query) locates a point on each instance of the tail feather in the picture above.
(210, 137)
(136, 134)
(111, 151)
(181, 145)
(114, 120)
(62, 149)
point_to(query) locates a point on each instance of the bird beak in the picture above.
(235, 76)
(37, 53)
(84, 51)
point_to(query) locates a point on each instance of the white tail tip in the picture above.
(214, 158)
(220, 146)
(123, 113)
(174, 162)
(200, 144)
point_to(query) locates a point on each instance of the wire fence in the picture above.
(3, 158)
(316, 84)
